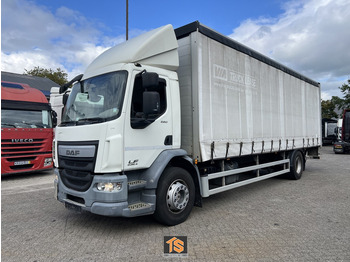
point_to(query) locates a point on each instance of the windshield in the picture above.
(331, 129)
(14, 118)
(95, 100)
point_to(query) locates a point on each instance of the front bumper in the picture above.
(102, 203)
(341, 147)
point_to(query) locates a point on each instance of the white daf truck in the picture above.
(167, 118)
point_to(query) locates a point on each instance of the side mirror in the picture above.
(151, 103)
(150, 80)
(64, 87)
(65, 98)
(54, 118)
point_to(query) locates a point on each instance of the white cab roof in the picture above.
(155, 48)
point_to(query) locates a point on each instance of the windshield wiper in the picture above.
(33, 125)
(91, 120)
(8, 125)
(84, 121)
(68, 123)
(39, 125)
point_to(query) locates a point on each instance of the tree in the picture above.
(58, 76)
(345, 89)
(338, 103)
(328, 108)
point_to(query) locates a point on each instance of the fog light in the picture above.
(48, 161)
(109, 187)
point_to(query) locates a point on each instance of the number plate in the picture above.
(73, 207)
(20, 163)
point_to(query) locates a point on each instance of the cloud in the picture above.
(33, 36)
(16, 62)
(311, 37)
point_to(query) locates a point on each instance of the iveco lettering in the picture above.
(25, 140)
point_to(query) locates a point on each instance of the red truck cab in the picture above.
(26, 129)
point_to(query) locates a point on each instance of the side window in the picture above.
(138, 117)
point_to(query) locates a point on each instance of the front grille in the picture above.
(81, 164)
(22, 167)
(9, 148)
(76, 180)
(13, 159)
(77, 172)
(19, 150)
(24, 145)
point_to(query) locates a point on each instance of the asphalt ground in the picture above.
(273, 220)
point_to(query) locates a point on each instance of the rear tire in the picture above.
(175, 196)
(297, 163)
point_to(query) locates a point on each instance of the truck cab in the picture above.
(27, 122)
(127, 102)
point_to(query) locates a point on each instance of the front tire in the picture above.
(175, 196)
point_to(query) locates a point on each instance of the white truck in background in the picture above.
(329, 131)
(339, 128)
(343, 144)
(56, 102)
(58, 97)
(167, 118)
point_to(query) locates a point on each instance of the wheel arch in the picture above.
(172, 158)
(185, 162)
(154, 172)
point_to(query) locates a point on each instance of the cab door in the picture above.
(148, 127)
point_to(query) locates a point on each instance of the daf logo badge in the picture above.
(72, 152)
(77, 151)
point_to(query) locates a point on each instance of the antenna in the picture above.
(127, 20)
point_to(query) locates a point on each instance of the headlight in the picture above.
(109, 187)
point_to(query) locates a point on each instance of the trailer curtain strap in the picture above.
(271, 146)
(227, 147)
(212, 151)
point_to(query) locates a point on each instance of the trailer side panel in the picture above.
(241, 105)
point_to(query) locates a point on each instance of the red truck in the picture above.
(27, 122)
(343, 145)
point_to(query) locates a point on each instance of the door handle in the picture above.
(168, 140)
